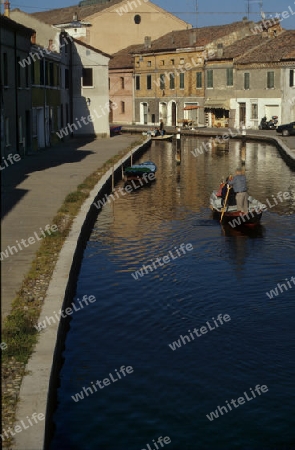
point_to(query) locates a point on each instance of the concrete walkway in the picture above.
(34, 188)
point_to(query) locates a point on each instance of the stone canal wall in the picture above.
(38, 392)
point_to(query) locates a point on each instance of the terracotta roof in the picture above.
(194, 37)
(65, 15)
(96, 50)
(241, 47)
(123, 59)
(274, 49)
(8, 23)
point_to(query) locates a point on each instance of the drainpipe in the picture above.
(16, 93)
(71, 46)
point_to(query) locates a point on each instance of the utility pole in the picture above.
(196, 13)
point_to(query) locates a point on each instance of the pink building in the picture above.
(121, 85)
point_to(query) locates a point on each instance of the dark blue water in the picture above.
(132, 322)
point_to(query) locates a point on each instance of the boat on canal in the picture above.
(142, 170)
(230, 215)
(165, 137)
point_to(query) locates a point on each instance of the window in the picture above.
(210, 78)
(41, 63)
(229, 77)
(34, 113)
(162, 62)
(20, 129)
(254, 111)
(5, 70)
(137, 19)
(162, 82)
(292, 78)
(57, 75)
(51, 120)
(172, 80)
(109, 83)
(149, 63)
(149, 82)
(18, 74)
(137, 82)
(46, 73)
(181, 60)
(122, 82)
(27, 76)
(270, 80)
(122, 107)
(199, 80)
(7, 133)
(67, 79)
(246, 80)
(87, 77)
(172, 62)
(181, 80)
(51, 74)
(33, 72)
(61, 115)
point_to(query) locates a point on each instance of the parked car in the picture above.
(286, 129)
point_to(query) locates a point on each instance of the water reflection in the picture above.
(133, 322)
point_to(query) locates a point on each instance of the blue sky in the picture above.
(210, 12)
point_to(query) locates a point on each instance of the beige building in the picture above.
(169, 73)
(115, 24)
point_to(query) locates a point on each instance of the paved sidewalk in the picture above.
(34, 188)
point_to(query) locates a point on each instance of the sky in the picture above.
(210, 12)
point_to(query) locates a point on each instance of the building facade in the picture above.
(170, 79)
(16, 93)
(113, 25)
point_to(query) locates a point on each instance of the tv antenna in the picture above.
(249, 6)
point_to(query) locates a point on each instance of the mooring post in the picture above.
(113, 180)
(131, 157)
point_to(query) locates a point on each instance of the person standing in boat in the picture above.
(231, 198)
(162, 131)
(239, 184)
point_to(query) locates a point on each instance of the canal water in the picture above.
(181, 359)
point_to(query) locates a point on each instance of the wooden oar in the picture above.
(224, 206)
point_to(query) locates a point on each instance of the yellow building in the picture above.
(115, 24)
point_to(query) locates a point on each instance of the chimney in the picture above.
(192, 38)
(75, 17)
(7, 9)
(50, 44)
(147, 42)
(219, 50)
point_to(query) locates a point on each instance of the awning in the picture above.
(190, 107)
(217, 103)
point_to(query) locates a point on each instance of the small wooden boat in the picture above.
(166, 137)
(142, 170)
(232, 216)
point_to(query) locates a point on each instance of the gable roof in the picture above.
(8, 23)
(65, 15)
(96, 50)
(194, 37)
(275, 49)
(123, 59)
